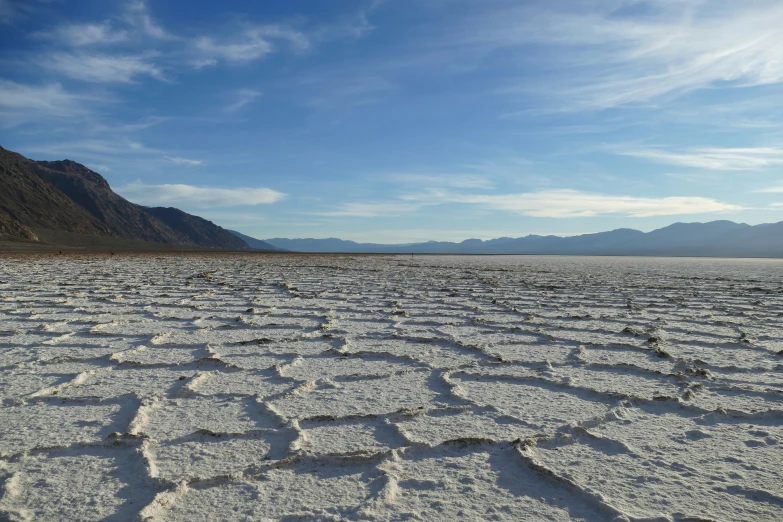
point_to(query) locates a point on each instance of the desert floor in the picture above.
(294, 387)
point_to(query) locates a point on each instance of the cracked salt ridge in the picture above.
(575, 307)
(651, 463)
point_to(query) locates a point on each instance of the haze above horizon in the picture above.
(389, 122)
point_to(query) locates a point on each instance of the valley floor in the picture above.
(190, 387)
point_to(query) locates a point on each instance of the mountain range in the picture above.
(713, 239)
(65, 204)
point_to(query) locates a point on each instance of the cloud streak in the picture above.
(190, 196)
(81, 35)
(777, 189)
(184, 161)
(252, 44)
(565, 203)
(242, 97)
(21, 103)
(712, 158)
(102, 68)
(372, 209)
(609, 54)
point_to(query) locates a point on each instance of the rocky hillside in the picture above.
(195, 228)
(28, 202)
(56, 201)
(90, 190)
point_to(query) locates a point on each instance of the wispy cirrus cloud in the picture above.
(81, 35)
(559, 203)
(442, 180)
(190, 196)
(775, 189)
(372, 209)
(251, 44)
(566, 203)
(120, 147)
(609, 54)
(713, 158)
(184, 161)
(23, 103)
(242, 97)
(102, 68)
(138, 16)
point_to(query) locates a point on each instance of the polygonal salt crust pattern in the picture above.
(56, 425)
(304, 492)
(77, 484)
(236, 387)
(454, 483)
(346, 437)
(207, 457)
(359, 397)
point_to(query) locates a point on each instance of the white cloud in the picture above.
(198, 197)
(242, 97)
(50, 98)
(714, 158)
(138, 16)
(20, 103)
(566, 203)
(184, 161)
(607, 54)
(102, 68)
(777, 189)
(78, 35)
(92, 146)
(252, 44)
(442, 180)
(372, 209)
(98, 168)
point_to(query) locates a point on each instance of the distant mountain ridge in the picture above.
(713, 239)
(66, 203)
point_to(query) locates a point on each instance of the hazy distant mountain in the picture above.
(255, 244)
(66, 203)
(716, 238)
(329, 245)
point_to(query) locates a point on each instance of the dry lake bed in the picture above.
(304, 387)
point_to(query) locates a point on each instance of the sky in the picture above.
(403, 121)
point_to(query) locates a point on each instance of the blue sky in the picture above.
(397, 121)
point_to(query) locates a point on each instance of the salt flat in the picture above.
(287, 387)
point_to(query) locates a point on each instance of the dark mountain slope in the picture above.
(196, 229)
(65, 203)
(28, 203)
(90, 190)
(12, 229)
(255, 244)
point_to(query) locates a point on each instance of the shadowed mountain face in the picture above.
(64, 202)
(717, 238)
(28, 203)
(196, 229)
(91, 191)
